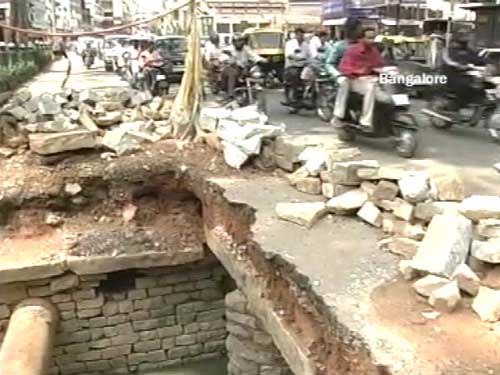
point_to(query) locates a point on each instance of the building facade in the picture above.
(118, 12)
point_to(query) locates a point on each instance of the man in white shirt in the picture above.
(317, 42)
(297, 55)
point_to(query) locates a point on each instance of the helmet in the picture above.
(238, 37)
(214, 38)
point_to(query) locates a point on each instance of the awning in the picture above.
(335, 22)
(391, 22)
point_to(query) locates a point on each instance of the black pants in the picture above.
(465, 89)
(291, 79)
(230, 77)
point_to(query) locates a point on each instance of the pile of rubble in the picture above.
(445, 239)
(241, 133)
(118, 119)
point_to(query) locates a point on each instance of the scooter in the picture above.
(390, 120)
(443, 112)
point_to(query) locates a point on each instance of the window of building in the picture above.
(223, 28)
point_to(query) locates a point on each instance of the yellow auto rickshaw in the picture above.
(270, 44)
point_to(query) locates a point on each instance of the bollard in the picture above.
(28, 343)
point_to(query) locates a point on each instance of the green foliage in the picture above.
(17, 67)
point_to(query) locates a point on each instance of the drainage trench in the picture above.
(160, 273)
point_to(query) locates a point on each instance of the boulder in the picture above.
(487, 251)
(446, 298)
(309, 185)
(467, 280)
(385, 190)
(53, 143)
(305, 214)
(480, 207)
(345, 173)
(405, 247)
(371, 214)
(109, 119)
(450, 188)
(488, 228)
(348, 203)
(445, 246)
(487, 304)
(401, 228)
(426, 211)
(415, 187)
(403, 210)
(427, 285)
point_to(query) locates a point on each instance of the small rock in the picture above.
(129, 212)
(309, 185)
(385, 190)
(402, 228)
(480, 207)
(53, 143)
(445, 246)
(385, 205)
(54, 220)
(487, 304)
(346, 173)
(407, 270)
(348, 203)
(415, 187)
(403, 210)
(305, 214)
(450, 188)
(426, 211)
(90, 97)
(371, 214)
(488, 228)
(368, 187)
(299, 174)
(431, 315)
(405, 247)
(327, 189)
(72, 189)
(446, 298)
(487, 251)
(47, 106)
(426, 286)
(467, 280)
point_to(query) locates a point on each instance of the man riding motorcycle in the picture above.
(89, 51)
(240, 60)
(150, 60)
(297, 56)
(211, 61)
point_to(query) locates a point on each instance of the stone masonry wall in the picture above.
(250, 349)
(134, 321)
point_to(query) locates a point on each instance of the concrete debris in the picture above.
(53, 143)
(87, 121)
(400, 228)
(427, 285)
(403, 210)
(345, 173)
(426, 211)
(480, 207)
(450, 188)
(487, 251)
(47, 106)
(348, 203)
(129, 212)
(406, 269)
(369, 188)
(487, 304)
(371, 214)
(382, 173)
(127, 138)
(72, 189)
(249, 114)
(309, 185)
(56, 126)
(467, 280)
(109, 119)
(385, 190)
(209, 118)
(233, 155)
(328, 190)
(305, 214)
(54, 220)
(431, 315)
(445, 246)
(314, 159)
(415, 187)
(18, 112)
(90, 97)
(6, 152)
(447, 298)
(405, 247)
(488, 228)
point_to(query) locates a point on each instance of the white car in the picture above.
(113, 49)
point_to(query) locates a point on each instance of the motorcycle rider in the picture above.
(150, 59)
(359, 65)
(241, 58)
(89, 51)
(457, 60)
(317, 43)
(297, 55)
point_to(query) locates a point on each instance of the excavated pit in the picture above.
(122, 223)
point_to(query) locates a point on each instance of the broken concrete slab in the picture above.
(18, 112)
(403, 210)
(415, 187)
(56, 126)
(480, 207)
(405, 247)
(445, 246)
(446, 298)
(348, 203)
(385, 190)
(487, 251)
(314, 159)
(467, 280)
(234, 156)
(53, 143)
(487, 304)
(382, 173)
(400, 228)
(305, 214)
(328, 190)
(427, 285)
(426, 211)
(488, 228)
(450, 188)
(371, 214)
(87, 121)
(309, 185)
(109, 119)
(345, 173)
(47, 106)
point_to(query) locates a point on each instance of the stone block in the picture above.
(488, 228)
(173, 279)
(160, 291)
(149, 303)
(213, 325)
(58, 298)
(185, 340)
(125, 307)
(185, 351)
(445, 246)
(426, 286)
(10, 293)
(401, 228)
(450, 188)
(66, 306)
(385, 190)
(168, 343)
(92, 355)
(110, 308)
(467, 280)
(137, 294)
(298, 175)
(487, 304)
(371, 214)
(72, 368)
(82, 295)
(90, 313)
(41, 291)
(214, 346)
(348, 203)
(369, 188)
(130, 338)
(64, 283)
(427, 211)
(487, 251)
(205, 336)
(77, 348)
(136, 358)
(67, 315)
(480, 207)
(446, 298)
(98, 322)
(415, 187)
(236, 301)
(405, 247)
(53, 143)
(304, 214)
(143, 315)
(117, 319)
(249, 352)
(403, 210)
(169, 331)
(98, 366)
(207, 316)
(238, 330)
(116, 351)
(146, 325)
(100, 344)
(346, 173)
(70, 326)
(184, 287)
(309, 185)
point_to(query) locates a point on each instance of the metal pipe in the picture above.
(28, 343)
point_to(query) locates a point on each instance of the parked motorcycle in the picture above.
(443, 111)
(391, 120)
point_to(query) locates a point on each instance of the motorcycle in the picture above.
(89, 61)
(158, 83)
(327, 91)
(443, 110)
(250, 89)
(390, 120)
